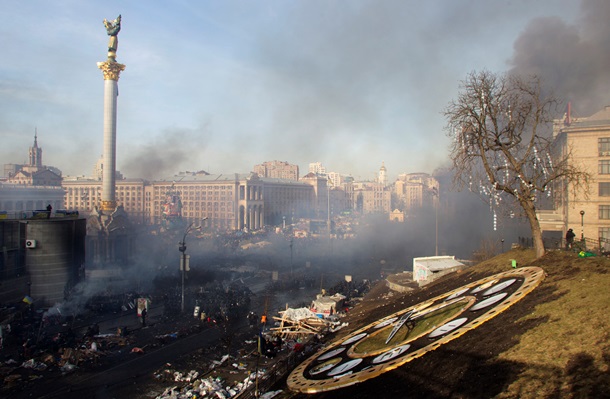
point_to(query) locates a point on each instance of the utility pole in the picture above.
(184, 260)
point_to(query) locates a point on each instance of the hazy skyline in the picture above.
(224, 85)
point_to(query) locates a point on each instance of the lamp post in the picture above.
(435, 194)
(328, 207)
(436, 231)
(582, 225)
(291, 263)
(184, 262)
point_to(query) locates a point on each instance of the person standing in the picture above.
(570, 239)
(49, 209)
(143, 315)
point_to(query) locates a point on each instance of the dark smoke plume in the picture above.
(174, 151)
(573, 61)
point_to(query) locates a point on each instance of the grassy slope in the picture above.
(551, 344)
(569, 354)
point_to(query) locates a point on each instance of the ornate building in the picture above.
(30, 187)
(226, 201)
(34, 173)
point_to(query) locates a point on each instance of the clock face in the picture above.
(396, 339)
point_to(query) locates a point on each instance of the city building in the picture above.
(277, 170)
(85, 194)
(226, 201)
(287, 201)
(317, 168)
(383, 175)
(397, 216)
(369, 197)
(20, 201)
(34, 173)
(30, 187)
(321, 194)
(413, 190)
(98, 170)
(588, 139)
(337, 179)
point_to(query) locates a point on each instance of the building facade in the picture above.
(317, 168)
(277, 170)
(84, 194)
(588, 140)
(370, 197)
(18, 200)
(413, 190)
(286, 201)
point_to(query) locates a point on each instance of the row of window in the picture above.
(194, 188)
(604, 212)
(603, 146)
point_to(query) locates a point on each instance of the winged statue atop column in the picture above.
(113, 28)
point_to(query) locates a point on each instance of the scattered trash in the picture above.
(68, 368)
(34, 365)
(271, 394)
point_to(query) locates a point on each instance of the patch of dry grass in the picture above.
(577, 330)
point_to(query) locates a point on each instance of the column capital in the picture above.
(110, 69)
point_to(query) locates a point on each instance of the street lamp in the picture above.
(435, 194)
(291, 263)
(184, 263)
(582, 225)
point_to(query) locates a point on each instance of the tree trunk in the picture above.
(530, 212)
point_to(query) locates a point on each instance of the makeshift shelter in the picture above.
(298, 323)
(427, 269)
(325, 306)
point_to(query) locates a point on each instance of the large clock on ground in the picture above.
(396, 339)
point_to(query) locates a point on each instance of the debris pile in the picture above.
(299, 324)
(213, 387)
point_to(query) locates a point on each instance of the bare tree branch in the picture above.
(503, 144)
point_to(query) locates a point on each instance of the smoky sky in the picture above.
(340, 81)
(573, 60)
(176, 150)
(223, 86)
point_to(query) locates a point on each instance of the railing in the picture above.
(37, 214)
(28, 187)
(600, 246)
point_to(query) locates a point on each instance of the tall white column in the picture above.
(111, 71)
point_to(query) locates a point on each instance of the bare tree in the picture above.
(503, 143)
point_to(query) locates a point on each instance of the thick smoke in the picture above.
(572, 60)
(173, 151)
